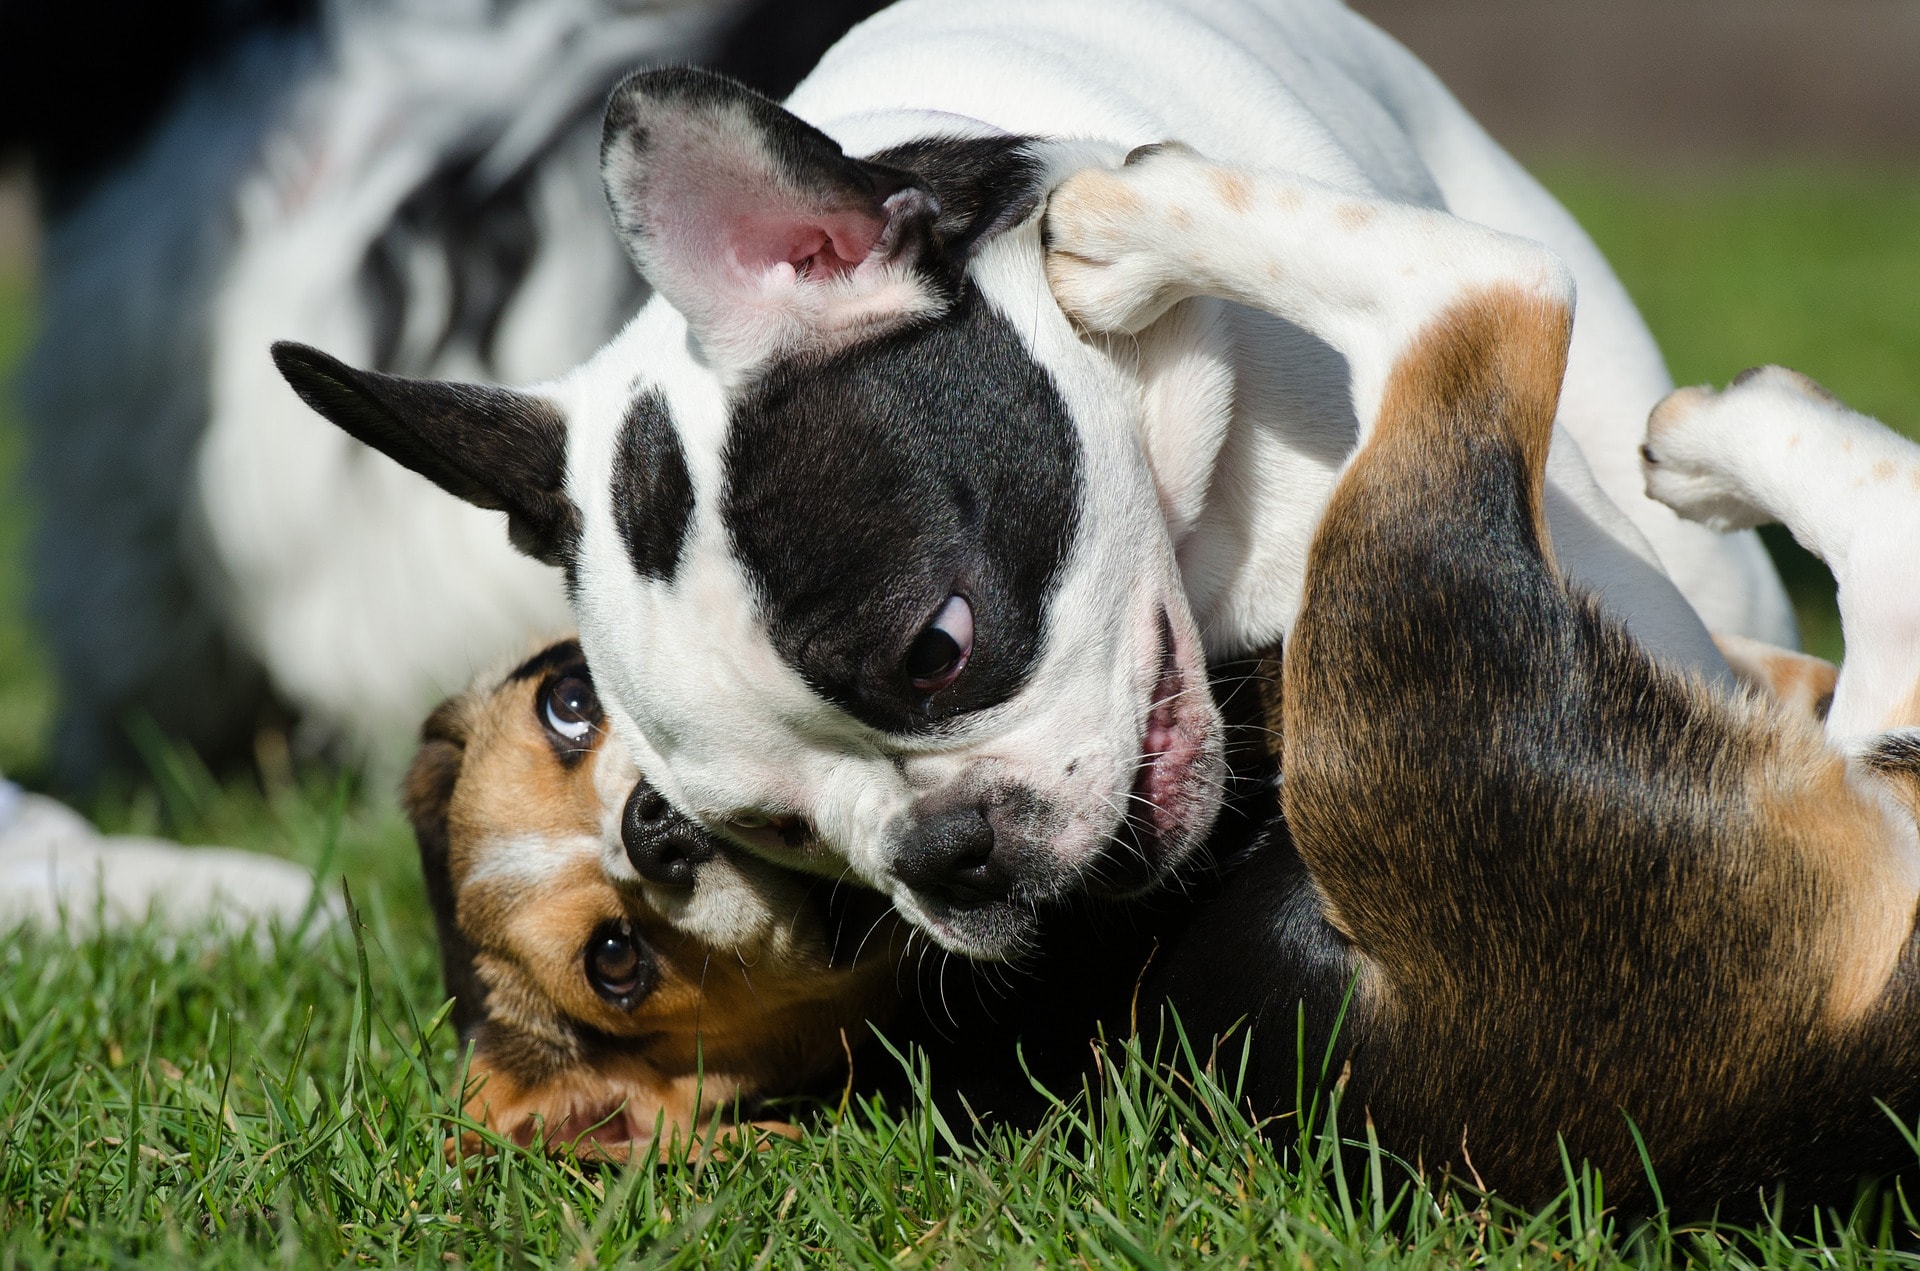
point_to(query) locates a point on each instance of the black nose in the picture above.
(950, 857)
(664, 846)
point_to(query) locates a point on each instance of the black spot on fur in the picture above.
(493, 447)
(552, 658)
(652, 492)
(1895, 754)
(984, 185)
(483, 230)
(864, 491)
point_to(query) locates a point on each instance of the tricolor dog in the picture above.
(1578, 894)
(880, 559)
(1568, 901)
(617, 974)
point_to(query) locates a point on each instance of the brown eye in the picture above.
(616, 966)
(940, 652)
(570, 710)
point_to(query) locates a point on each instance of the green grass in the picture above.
(166, 1103)
(26, 693)
(220, 1102)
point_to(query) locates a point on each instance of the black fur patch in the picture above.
(864, 491)
(652, 492)
(984, 184)
(554, 657)
(1895, 754)
(493, 447)
(485, 233)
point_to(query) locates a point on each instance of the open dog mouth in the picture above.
(1162, 807)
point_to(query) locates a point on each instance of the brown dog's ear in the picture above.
(426, 794)
(494, 447)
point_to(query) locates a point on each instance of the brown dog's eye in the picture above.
(940, 652)
(571, 711)
(616, 966)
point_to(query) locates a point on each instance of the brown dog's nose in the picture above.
(664, 846)
(950, 856)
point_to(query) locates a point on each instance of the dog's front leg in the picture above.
(1366, 275)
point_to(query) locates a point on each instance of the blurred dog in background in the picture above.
(411, 182)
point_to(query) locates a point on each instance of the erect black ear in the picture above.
(754, 224)
(494, 447)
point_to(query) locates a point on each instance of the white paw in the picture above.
(1707, 454)
(1114, 236)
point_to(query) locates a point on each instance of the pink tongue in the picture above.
(1160, 729)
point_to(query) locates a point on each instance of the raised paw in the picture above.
(1120, 242)
(1719, 458)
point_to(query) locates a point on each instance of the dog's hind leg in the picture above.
(1775, 446)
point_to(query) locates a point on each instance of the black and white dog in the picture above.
(880, 560)
(410, 181)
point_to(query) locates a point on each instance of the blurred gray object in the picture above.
(1677, 80)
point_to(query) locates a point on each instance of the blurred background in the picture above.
(1752, 168)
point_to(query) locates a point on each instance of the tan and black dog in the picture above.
(1575, 892)
(605, 1005)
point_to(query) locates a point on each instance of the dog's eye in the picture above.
(616, 968)
(571, 710)
(940, 652)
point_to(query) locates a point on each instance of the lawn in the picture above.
(226, 1101)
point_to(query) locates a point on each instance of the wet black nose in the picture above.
(950, 857)
(664, 846)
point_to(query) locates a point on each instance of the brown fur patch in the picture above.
(1813, 801)
(1799, 681)
(1099, 192)
(1235, 191)
(1495, 356)
(1356, 216)
(524, 869)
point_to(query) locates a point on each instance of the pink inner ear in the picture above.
(814, 246)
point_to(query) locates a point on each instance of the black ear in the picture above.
(493, 447)
(753, 223)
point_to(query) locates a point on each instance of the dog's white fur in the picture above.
(1210, 446)
(1776, 447)
(194, 516)
(355, 632)
(1303, 86)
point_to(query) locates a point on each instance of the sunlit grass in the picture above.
(221, 1103)
(227, 1102)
